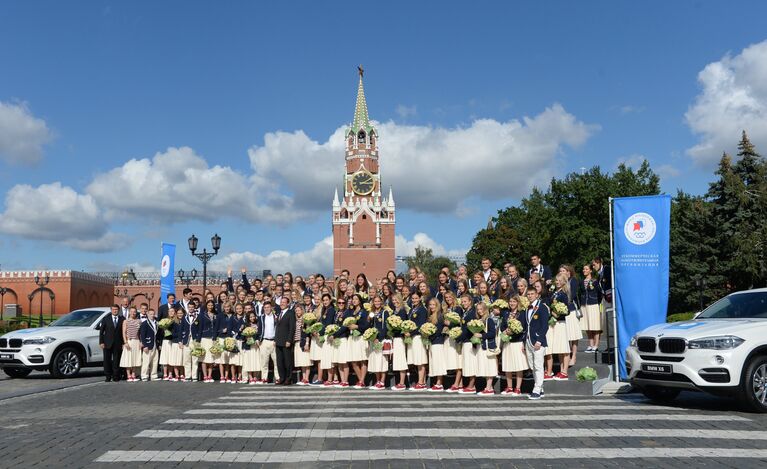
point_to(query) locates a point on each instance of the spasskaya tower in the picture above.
(363, 220)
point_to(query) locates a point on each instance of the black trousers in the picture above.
(112, 362)
(285, 363)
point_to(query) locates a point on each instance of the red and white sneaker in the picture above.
(328, 384)
(453, 389)
(251, 382)
(560, 377)
(181, 378)
(399, 387)
(166, 378)
(303, 382)
(486, 392)
(419, 387)
(343, 385)
(437, 388)
(516, 393)
(507, 391)
(222, 380)
(547, 377)
(171, 379)
(359, 386)
(467, 391)
(379, 386)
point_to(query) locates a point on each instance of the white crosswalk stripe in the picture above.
(309, 420)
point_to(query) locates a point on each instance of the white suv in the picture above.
(722, 351)
(63, 347)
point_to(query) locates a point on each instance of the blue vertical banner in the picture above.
(641, 233)
(167, 279)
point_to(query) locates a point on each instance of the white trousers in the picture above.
(190, 363)
(268, 350)
(535, 359)
(149, 359)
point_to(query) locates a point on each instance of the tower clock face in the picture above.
(362, 183)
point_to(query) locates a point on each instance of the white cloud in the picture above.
(632, 161)
(317, 259)
(629, 109)
(405, 111)
(22, 135)
(178, 184)
(53, 212)
(733, 99)
(405, 247)
(432, 169)
(667, 171)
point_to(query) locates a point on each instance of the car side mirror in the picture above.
(97, 326)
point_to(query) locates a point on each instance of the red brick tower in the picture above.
(363, 220)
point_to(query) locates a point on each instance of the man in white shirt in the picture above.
(142, 311)
(266, 345)
(486, 269)
(125, 307)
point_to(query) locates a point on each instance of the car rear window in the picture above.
(739, 306)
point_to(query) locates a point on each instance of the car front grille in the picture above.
(672, 345)
(14, 343)
(3, 343)
(646, 344)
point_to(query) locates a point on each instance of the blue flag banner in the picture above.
(641, 233)
(167, 279)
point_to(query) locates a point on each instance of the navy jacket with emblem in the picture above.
(536, 327)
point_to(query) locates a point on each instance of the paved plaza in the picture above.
(96, 424)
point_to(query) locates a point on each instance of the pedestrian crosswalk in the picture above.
(311, 425)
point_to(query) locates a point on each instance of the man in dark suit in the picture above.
(284, 337)
(162, 313)
(535, 323)
(111, 342)
(543, 271)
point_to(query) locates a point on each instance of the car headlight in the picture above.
(633, 341)
(39, 340)
(720, 342)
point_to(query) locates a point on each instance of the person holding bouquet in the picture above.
(327, 317)
(313, 327)
(437, 360)
(487, 362)
(251, 363)
(574, 333)
(468, 350)
(378, 364)
(417, 355)
(358, 348)
(591, 299)
(557, 336)
(179, 339)
(513, 357)
(535, 323)
(236, 325)
(340, 342)
(301, 344)
(399, 355)
(149, 338)
(205, 333)
(452, 320)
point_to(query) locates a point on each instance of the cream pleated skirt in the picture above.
(453, 360)
(209, 357)
(315, 350)
(131, 358)
(342, 353)
(300, 358)
(251, 360)
(358, 349)
(417, 353)
(584, 320)
(513, 357)
(593, 317)
(167, 346)
(437, 361)
(235, 358)
(487, 366)
(176, 355)
(377, 362)
(573, 327)
(556, 338)
(326, 354)
(399, 355)
(469, 357)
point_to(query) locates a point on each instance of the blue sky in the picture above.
(252, 96)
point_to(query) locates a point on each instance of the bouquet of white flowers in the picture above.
(407, 327)
(166, 325)
(476, 326)
(427, 330)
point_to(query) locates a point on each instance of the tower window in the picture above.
(364, 217)
(361, 137)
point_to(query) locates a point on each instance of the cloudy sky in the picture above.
(125, 124)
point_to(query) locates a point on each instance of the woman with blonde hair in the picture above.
(452, 347)
(574, 333)
(559, 344)
(399, 351)
(437, 362)
(513, 357)
(378, 364)
(487, 363)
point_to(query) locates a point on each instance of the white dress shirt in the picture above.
(269, 326)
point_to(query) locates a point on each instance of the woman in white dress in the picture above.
(513, 357)
(437, 361)
(131, 356)
(399, 352)
(452, 347)
(251, 363)
(378, 364)
(559, 345)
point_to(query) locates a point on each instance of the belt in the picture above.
(269, 339)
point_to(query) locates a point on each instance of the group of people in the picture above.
(354, 332)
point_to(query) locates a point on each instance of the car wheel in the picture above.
(658, 394)
(17, 372)
(754, 386)
(66, 363)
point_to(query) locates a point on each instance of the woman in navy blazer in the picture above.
(205, 333)
(417, 355)
(179, 339)
(378, 364)
(468, 350)
(327, 317)
(223, 328)
(487, 364)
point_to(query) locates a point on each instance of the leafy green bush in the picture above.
(586, 374)
(679, 317)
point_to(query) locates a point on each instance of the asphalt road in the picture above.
(97, 424)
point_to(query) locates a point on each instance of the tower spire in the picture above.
(361, 120)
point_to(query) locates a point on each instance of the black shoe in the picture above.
(108, 380)
(116, 379)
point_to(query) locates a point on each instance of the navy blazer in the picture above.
(205, 328)
(147, 335)
(379, 322)
(222, 326)
(343, 331)
(546, 272)
(402, 313)
(328, 316)
(535, 330)
(180, 333)
(590, 293)
(488, 337)
(466, 316)
(505, 316)
(236, 325)
(561, 297)
(418, 315)
(439, 337)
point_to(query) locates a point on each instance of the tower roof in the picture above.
(361, 119)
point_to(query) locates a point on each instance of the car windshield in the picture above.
(740, 306)
(82, 318)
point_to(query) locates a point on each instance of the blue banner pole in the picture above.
(167, 275)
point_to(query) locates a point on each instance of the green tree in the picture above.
(429, 264)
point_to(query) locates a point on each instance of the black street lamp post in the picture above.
(3, 291)
(41, 282)
(700, 282)
(205, 256)
(187, 278)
